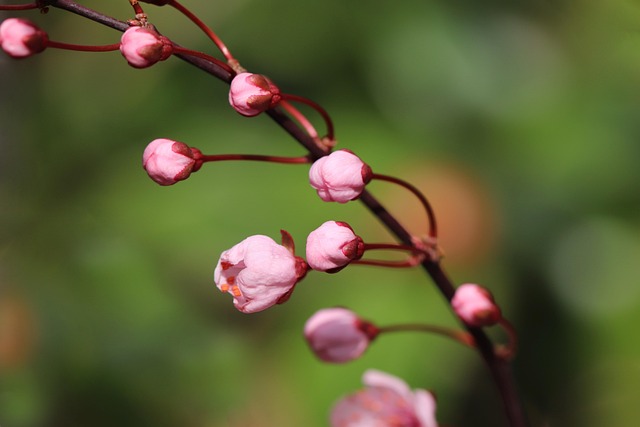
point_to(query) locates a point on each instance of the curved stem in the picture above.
(389, 246)
(462, 337)
(315, 106)
(182, 51)
(433, 231)
(205, 28)
(301, 118)
(508, 352)
(26, 6)
(255, 157)
(83, 48)
(411, 262)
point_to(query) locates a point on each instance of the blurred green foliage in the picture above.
(518, 118)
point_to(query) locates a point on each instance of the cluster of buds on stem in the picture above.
(260, 273)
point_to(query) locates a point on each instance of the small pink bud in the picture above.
(251, 94)
(475, 306)
(143, 46)
(21, 38)
(258, 273)
(339, 177)
(167, 161)
(386, 401)
(337, 335)
(332, 246)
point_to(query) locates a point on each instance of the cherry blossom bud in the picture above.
(386, 401)
(251, 94)
(167, 161)
(258, 273)
(332, 246)
(338, 335)
(475, 306)
(21, 38)
(143, 46)
(339, 177)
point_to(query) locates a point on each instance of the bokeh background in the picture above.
(518, 119)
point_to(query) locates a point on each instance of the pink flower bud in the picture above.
(259, 273)
(339, 177)
(143, 46)
(475, 306)
(332, 246)
(337, 335)
(386, 401)
(167, 161)
(21, 38)
(251, 94)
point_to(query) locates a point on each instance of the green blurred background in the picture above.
(518, 119)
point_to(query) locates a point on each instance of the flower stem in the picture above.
(433, 231)
(462, 337)
(26, 6)
(300, 118)
(315, 106)
(182, 51)
(83, 48)
(254, 157)
(508, 351)
(206, 29)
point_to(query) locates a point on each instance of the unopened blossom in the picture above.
(339, 177)
(143, 46)
(338, 335)
(251, 94)
(167, 161)
(258, 273)
(332, 246)
(386, 401)
(475, 305)
(21, 38)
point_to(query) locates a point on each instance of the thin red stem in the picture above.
(315, 106)
(509, 351)
(255, 157)
(433, 231)
(83, 48)
(182, 51)
(411, 262)
(26, 6)
(462, 337)
(206, 29)
(390, 246)
(300, 118)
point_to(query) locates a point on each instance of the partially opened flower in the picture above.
(475, 305)
(21, 38)
(143, 46)
(386, 401)
(338, 335)
(339, 177)
(251, 94)
(167, 161)
(258, 273)
(332, 246)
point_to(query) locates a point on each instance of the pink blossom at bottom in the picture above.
(475, 306)
(21, 38)
(338, 335)
(258, 273)
(386, 401)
